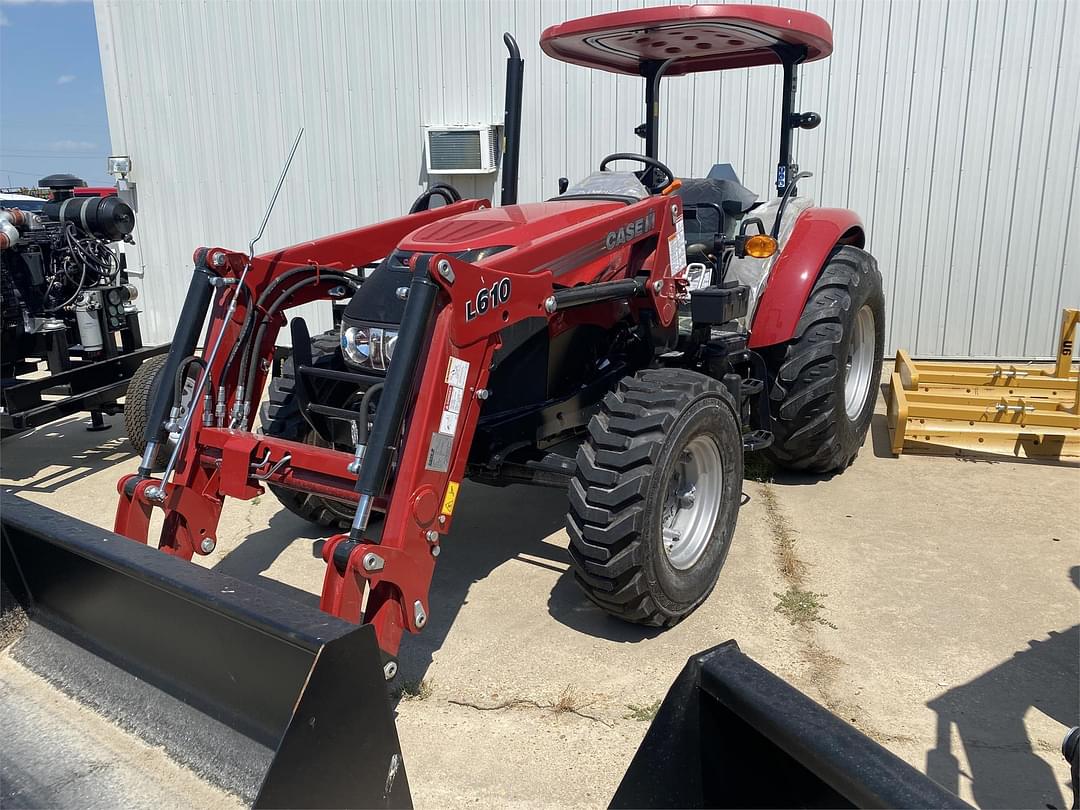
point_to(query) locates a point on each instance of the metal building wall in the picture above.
(952, 126)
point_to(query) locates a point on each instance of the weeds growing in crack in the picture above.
(791, 567)
(758, 468)
(644, 713)
(415, 690)
(568, 702)
(802, 607)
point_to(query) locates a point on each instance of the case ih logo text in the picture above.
(630, 230)
(488, 298)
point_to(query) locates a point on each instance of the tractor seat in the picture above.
(713, 207)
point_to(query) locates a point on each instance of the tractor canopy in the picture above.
(690, 39)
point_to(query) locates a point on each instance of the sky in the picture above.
(52, 101)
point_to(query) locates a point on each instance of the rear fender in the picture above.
(816, 233)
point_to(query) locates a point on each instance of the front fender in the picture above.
(816, 233)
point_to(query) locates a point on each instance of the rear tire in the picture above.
(141, 391)
(658, 432)
(825, 380)
(280, 416)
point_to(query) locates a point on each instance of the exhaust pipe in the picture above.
(268, 698)
(515, 77)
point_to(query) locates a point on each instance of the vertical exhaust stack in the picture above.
(515, 76)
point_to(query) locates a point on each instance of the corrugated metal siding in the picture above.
(951, 126)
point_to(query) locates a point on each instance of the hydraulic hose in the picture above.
(252, 367)
(242, 343)
(365, 405)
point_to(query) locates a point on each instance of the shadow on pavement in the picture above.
(989, 712)
(68, 447)
(257, 552)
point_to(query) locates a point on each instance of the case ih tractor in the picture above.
(627, 340)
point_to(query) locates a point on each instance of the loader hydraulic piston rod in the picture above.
(188, 329)
(396, 393)
(592, 293)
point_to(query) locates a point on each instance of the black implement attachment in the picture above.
(732, 734)
(269, 698)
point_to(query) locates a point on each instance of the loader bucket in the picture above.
(268, 698)
(732, 734)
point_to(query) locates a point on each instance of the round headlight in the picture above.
(355, 345)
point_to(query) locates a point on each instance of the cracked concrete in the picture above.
(953, 588)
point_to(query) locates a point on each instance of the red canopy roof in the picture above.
(698, 38)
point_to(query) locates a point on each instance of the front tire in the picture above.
(825, 380)
(656, 495)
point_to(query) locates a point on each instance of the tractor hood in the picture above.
(511, 226)
(472, 236)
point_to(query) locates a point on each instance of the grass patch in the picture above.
(757, 468)
(643, 714)
(415, 690)
(802, 607)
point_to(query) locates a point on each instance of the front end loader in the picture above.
(627, 340)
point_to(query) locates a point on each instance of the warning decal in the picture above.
(450, 499)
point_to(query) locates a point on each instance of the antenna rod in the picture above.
(158, 492)
(273, 201)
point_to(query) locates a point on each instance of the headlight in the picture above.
(368, 346)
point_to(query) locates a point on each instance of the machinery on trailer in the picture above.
(70, 325)
(628, 340)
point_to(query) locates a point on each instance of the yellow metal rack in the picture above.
(1006, 409)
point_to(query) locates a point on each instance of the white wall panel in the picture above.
(951, 126)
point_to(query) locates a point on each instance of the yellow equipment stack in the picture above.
(1029, 410)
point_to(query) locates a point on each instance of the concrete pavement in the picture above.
(935, 607)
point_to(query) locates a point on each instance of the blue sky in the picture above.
(52, 102)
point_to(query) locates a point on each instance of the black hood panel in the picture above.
(377, 300)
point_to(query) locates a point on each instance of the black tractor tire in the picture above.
(812, 429)
(141, 391)
(618, 495)
(280, 416)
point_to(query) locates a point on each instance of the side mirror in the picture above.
(809, 120)
(564, 184)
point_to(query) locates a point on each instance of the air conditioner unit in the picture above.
(462, 148)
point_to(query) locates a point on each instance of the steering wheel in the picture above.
(653, 168)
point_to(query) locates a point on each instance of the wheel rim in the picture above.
(860, 363)
(692, 502)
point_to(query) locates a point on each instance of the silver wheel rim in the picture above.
(692, 502)
(860, 363)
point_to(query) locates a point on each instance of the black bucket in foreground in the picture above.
(730, 733)
(226, 676)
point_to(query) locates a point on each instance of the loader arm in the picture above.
(429, 407)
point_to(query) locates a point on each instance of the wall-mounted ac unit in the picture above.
(462, 148)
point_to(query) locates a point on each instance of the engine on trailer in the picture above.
(61, 272)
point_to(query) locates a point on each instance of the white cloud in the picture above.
(72, 146)
(67, 78)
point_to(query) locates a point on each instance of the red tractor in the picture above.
(628, 340)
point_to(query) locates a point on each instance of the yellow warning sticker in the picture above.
(450, 499)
